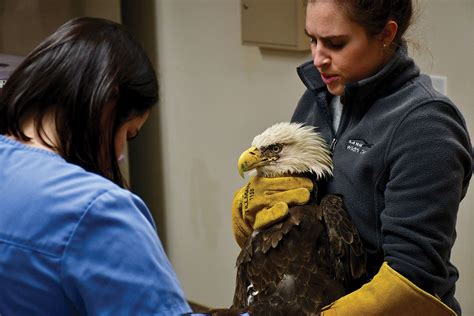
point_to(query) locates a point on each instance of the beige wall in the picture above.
(217, 94)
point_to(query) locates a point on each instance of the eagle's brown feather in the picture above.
(299, 265)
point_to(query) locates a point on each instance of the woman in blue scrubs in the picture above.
(73, 240)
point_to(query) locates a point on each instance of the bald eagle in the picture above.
(314, 255)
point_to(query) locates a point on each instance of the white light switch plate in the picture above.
(440, 83)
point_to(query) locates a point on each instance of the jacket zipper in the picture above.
(333, 144)
(342, 125)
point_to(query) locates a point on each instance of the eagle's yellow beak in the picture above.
(250, 159)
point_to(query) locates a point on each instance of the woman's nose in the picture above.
(320, 58)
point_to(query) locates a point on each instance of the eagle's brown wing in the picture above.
(284, 268)
(346, 249)
(252, 260)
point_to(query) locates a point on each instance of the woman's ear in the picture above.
(388, 33)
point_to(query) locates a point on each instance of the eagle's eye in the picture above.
(275, 148)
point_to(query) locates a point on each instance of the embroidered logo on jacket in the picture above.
(358, 146)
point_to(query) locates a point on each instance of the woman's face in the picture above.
(128, 131)
(342, 50)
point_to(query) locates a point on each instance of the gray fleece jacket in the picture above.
(402, 161)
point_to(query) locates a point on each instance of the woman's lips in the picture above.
(328, 79)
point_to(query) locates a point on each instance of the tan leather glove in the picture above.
(388, 294)
(264, 201)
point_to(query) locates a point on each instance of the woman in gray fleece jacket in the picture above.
(401, 151)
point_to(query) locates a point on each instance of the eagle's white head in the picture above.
(287, 148)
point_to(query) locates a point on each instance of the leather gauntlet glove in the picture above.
(388, 294)
(264, 201)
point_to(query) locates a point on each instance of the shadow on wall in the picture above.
(25, 23)
(145, 162)
(37, 20)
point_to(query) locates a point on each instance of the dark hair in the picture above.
(373, 15)
(74, 75)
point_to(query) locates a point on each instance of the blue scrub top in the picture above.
(74, 243)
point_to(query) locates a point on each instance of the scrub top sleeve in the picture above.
(114, 263)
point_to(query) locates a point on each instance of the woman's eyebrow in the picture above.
(330, 37)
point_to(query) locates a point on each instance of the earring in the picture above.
(384, 45)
